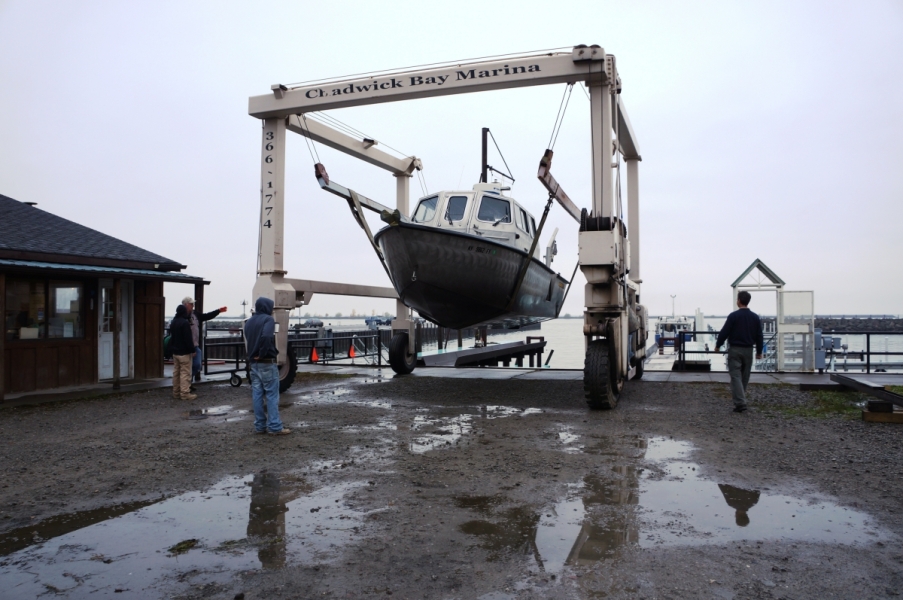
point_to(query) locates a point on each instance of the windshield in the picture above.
(426, 210)
(455, 209)
(494, 210)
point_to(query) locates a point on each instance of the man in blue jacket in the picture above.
(260, 343)
(742, 330)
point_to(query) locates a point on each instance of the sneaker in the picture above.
(739, 409)
(190, 397)
(261, 432)
(283, 431)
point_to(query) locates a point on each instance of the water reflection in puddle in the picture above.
(664, 504)
(260, 521)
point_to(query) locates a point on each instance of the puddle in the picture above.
(439, 432)
(264, 521)
(318, 396)
(663, 503)
(568, 439)
(436, 432)
(56, 526)
(681, 508)
(226, 411)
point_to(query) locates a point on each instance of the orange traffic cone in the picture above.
(314, 357)
(351, 352)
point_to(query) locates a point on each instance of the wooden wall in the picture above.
(149, 307)
(31, 365)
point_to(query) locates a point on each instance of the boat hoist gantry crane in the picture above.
(609, 243)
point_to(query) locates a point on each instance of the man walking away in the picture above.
(260, 341)
(742, 330)
(182, 347)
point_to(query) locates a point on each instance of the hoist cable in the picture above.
(569, 90)
(559, 118)
(352, 131)
(311, 146)
(422, 176)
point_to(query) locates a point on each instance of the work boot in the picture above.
(190, 397)
(283, 431)
(192, 389)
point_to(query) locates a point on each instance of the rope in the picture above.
(559, 118)
(502, 155)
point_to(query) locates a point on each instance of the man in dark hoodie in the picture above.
(182, 346)
(260, 341)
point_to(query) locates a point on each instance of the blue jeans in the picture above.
(265, 382)
(196, 362)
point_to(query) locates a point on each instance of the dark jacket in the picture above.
(180, 342)
(742, 329)
(260, 331)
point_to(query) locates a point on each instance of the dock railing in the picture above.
(853, 356)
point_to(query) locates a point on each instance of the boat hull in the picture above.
(459, 280)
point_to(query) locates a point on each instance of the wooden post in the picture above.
(2, 335)
(117, 326)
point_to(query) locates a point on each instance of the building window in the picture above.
(29, 315)
(65, 314)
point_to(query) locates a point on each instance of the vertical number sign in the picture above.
(272, 199)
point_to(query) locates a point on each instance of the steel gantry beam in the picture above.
(287, 108)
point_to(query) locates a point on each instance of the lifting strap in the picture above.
(526, 264)
(355, 205)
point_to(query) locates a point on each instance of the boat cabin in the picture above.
(483, 212)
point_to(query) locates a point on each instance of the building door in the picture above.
(105, 331)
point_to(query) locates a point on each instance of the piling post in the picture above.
(2, 336)
(117, 327)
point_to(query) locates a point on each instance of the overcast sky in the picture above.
(769, 130)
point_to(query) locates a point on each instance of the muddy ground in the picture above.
(447, 488)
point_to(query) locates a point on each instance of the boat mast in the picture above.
(485, 169)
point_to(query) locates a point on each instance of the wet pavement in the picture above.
(533, 498)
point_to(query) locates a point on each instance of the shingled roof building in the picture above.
(59, 284)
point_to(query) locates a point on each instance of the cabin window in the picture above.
(494, 210)
(457, 205)
(518, 217)
(426, 210)
(29, 315)
(533, 222)
(523, 220)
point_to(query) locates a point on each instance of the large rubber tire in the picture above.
(601, 383)
(287, 371)
(399, 359)
(640, 368)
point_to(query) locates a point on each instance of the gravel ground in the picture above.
(449, 488)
